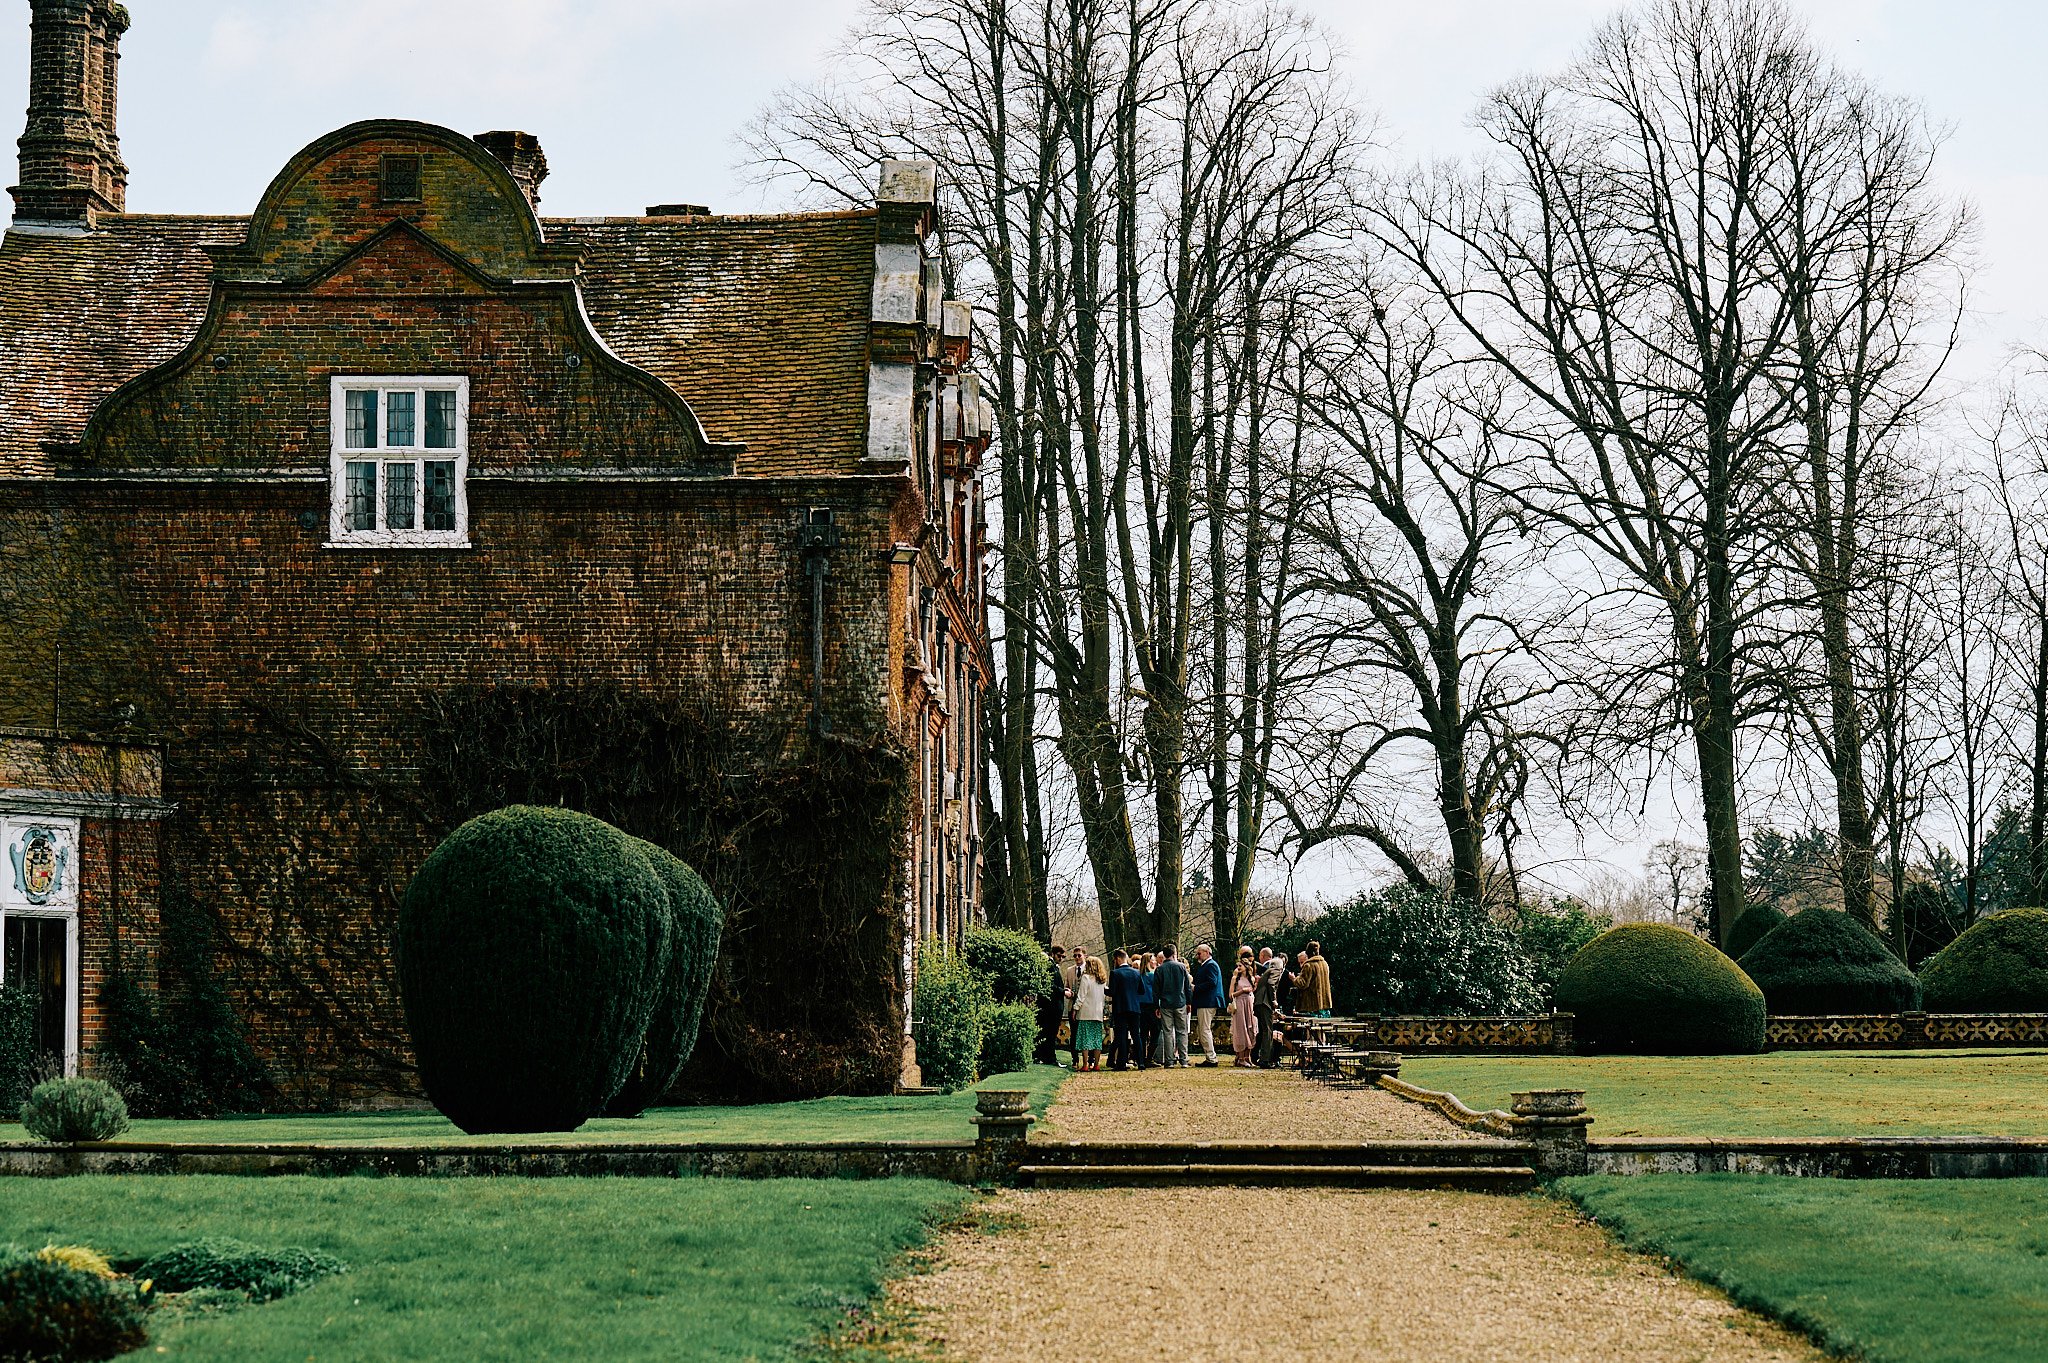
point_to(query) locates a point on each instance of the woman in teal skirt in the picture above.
(1091, 1003)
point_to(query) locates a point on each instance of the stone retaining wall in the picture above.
(1824, 1157)
(954, 1161)
(1901, 1030)
(1551, 1033)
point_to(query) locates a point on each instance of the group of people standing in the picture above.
(1147, 1008)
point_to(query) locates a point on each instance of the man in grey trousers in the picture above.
(1171, 988)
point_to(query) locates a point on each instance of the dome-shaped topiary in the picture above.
(1758, 921)
(1651, 987)
(1998, 965)
(698, 920)
(531, 947)
(1824, 961)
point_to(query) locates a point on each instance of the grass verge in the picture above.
(911, 1118)
(1927, 1271)
(512, 1269)
(1783, 1093)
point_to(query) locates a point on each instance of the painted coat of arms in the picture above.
(41, 861)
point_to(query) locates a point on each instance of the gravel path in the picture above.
(1229, 1104)
(1375, 1277)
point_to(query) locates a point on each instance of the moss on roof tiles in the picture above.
(760, 323)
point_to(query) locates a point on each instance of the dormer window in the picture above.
(400, 463)
(401, 179)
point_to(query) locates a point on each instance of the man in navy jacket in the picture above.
(1171, 989)
(1208, 1000)
(1126, 1011)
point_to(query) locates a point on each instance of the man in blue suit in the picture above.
(1208, 1000)
(1126, 1011)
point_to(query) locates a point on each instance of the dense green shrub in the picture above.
(1998, 965)
(1551, 936)
(1014, 964)
(695, 922)
(948, 1006)
(1824, 961)
(17, 1047)
(53, 1313)
(70, 1110)
(1408, 950)
(1652, 987)
(1009, 1034)
(532, 945)
(1757, 922)
(221, 1264)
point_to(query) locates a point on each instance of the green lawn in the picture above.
(923, 1118)
(510, 1269)
(1933, 1271)
(1784, 1093)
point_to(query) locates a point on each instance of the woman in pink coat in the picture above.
(1244, 1025)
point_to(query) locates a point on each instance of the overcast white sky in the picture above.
(638, 101)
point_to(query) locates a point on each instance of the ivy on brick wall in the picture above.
(802, 838)
(179, 1051)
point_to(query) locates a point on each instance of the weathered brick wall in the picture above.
(284, 664)
(118, 903)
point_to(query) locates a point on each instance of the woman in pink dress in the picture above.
(1244, 1025)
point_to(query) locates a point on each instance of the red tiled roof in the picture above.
(82, 315)
(760, 323)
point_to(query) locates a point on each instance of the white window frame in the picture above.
(339, 536)
(62, 907)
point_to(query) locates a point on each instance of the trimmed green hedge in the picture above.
(1824, 961)
(532, 946)
(697, 920)
(1655, 988)
(1014, 964)
(948, 1005)
(1757, 922)
(1998, 965)
(1009, 1034)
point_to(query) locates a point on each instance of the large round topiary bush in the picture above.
(1998, 965)
(1651, 987)
(698, 921)
(1758, 921)
(531, 948)
(1824, 961)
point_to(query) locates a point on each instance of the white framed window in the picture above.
(400, 469)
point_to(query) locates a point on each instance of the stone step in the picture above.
(1484, 1179)
(1434, 1154)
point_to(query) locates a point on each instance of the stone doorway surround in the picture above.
(79, 874)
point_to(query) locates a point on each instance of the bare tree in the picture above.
(1136, 179)
(1416, 553)
(1865, 252)
(1624, 260)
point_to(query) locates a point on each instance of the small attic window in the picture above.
(402, 179)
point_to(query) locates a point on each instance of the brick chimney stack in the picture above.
(522, 156)
(71, 167)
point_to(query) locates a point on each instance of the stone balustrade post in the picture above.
(1554, 1122)
(1561, 1033)
(1002, 1126)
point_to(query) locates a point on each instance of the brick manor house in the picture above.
(326, 526)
